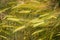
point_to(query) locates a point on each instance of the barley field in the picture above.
(29, 19)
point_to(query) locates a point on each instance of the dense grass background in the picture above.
(29, 19)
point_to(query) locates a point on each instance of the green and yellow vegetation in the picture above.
(29, 19)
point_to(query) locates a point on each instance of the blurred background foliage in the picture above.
(29, 19)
